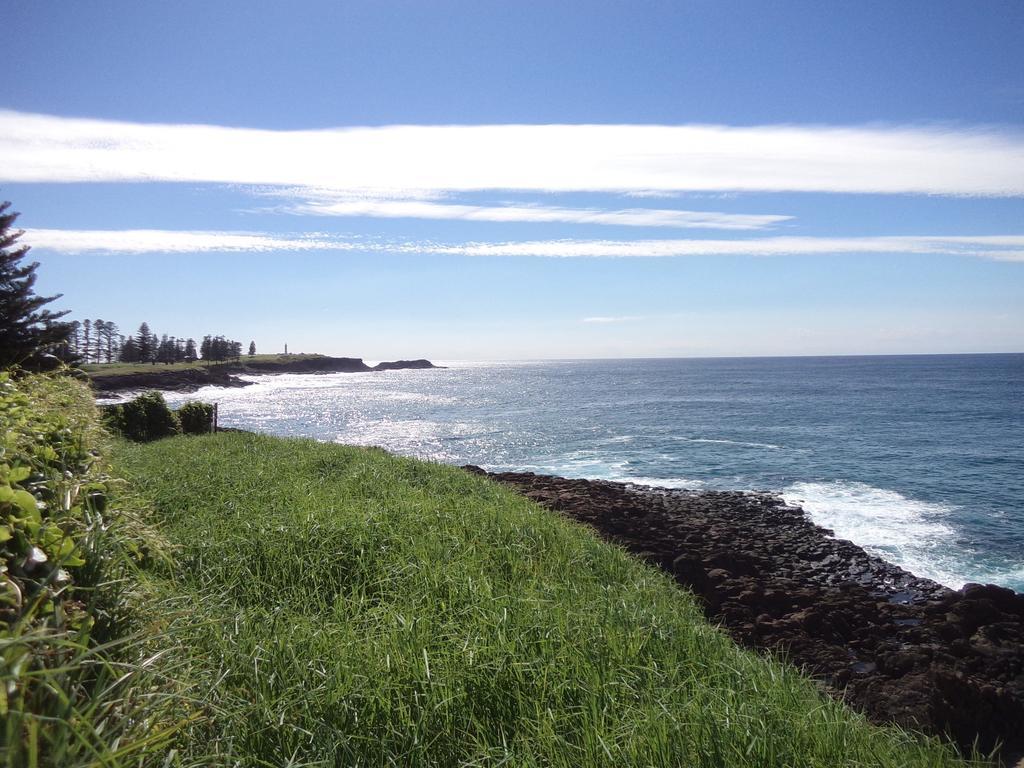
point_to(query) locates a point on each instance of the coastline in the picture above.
(228, 374)
(897, 647)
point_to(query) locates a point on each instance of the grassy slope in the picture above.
(336, 605)
(122, 369)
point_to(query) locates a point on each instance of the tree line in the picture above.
(99, 341)
(34, 337)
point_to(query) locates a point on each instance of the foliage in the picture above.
(196, 417)
(40, 508)
(218, 349)
(340, 606)
(26, 327)
(94, 341)
(145, 418)
(99, 341)
(71, 692)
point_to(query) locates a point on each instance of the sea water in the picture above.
(919, 459)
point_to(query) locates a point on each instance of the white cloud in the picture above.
(996, 247)
(616, 158)
(604, 319)
(631, 217)
(171, 241)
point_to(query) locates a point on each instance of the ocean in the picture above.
(918, 459)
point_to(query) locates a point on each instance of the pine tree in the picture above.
(111, 337)
(87, 340)
(146, 343)
(26, 329)
(71, 351)
(130, 350)
(165, 351)
(252, 349)
(190, 350)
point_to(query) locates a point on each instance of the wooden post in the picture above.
(215, 417)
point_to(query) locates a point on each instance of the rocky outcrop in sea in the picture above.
(899, 648)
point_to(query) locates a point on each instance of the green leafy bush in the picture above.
(72, 691)
(45, 491)
(196, 417)
(145, 418)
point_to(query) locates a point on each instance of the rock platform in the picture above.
(899, 648)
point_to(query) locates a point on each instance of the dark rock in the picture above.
(403, 364)
(897, 647)
(312, 364)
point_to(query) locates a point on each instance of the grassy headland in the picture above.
(102, 370)
(188, 377)
(332, 605)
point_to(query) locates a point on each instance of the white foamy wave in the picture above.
(913, 534)
(741, 443)
(617, 440)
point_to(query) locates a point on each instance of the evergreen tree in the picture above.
(130, 350)
(165, 351)
(98, 330)
(70, 351)
(252, 349)
(87, 340)
(111, 339)
(146, 342)
(26, 328)
(190, 350)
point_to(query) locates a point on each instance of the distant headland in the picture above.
(188, 377)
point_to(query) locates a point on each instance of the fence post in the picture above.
(214, 425)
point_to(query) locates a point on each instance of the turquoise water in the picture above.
(919, 459)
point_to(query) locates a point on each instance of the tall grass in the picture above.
(75, 690)
(331, 605)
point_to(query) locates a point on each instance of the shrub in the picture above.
(196, 418)
(145, 418)
(74, 690)
(46, 487)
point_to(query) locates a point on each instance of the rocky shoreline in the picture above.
(227, 374)
(899, 648)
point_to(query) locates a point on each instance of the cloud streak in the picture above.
(993, 247)
(631, 217)
(608, 319)
(139, 241)
(645, 159)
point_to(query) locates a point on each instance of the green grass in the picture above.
(121, 369)
(339, 606)
(76, 688)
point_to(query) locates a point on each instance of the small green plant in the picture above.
(73, 690)
(45, 491)
(143, 419)
(196, 418)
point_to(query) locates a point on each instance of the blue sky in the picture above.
(523, 180)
